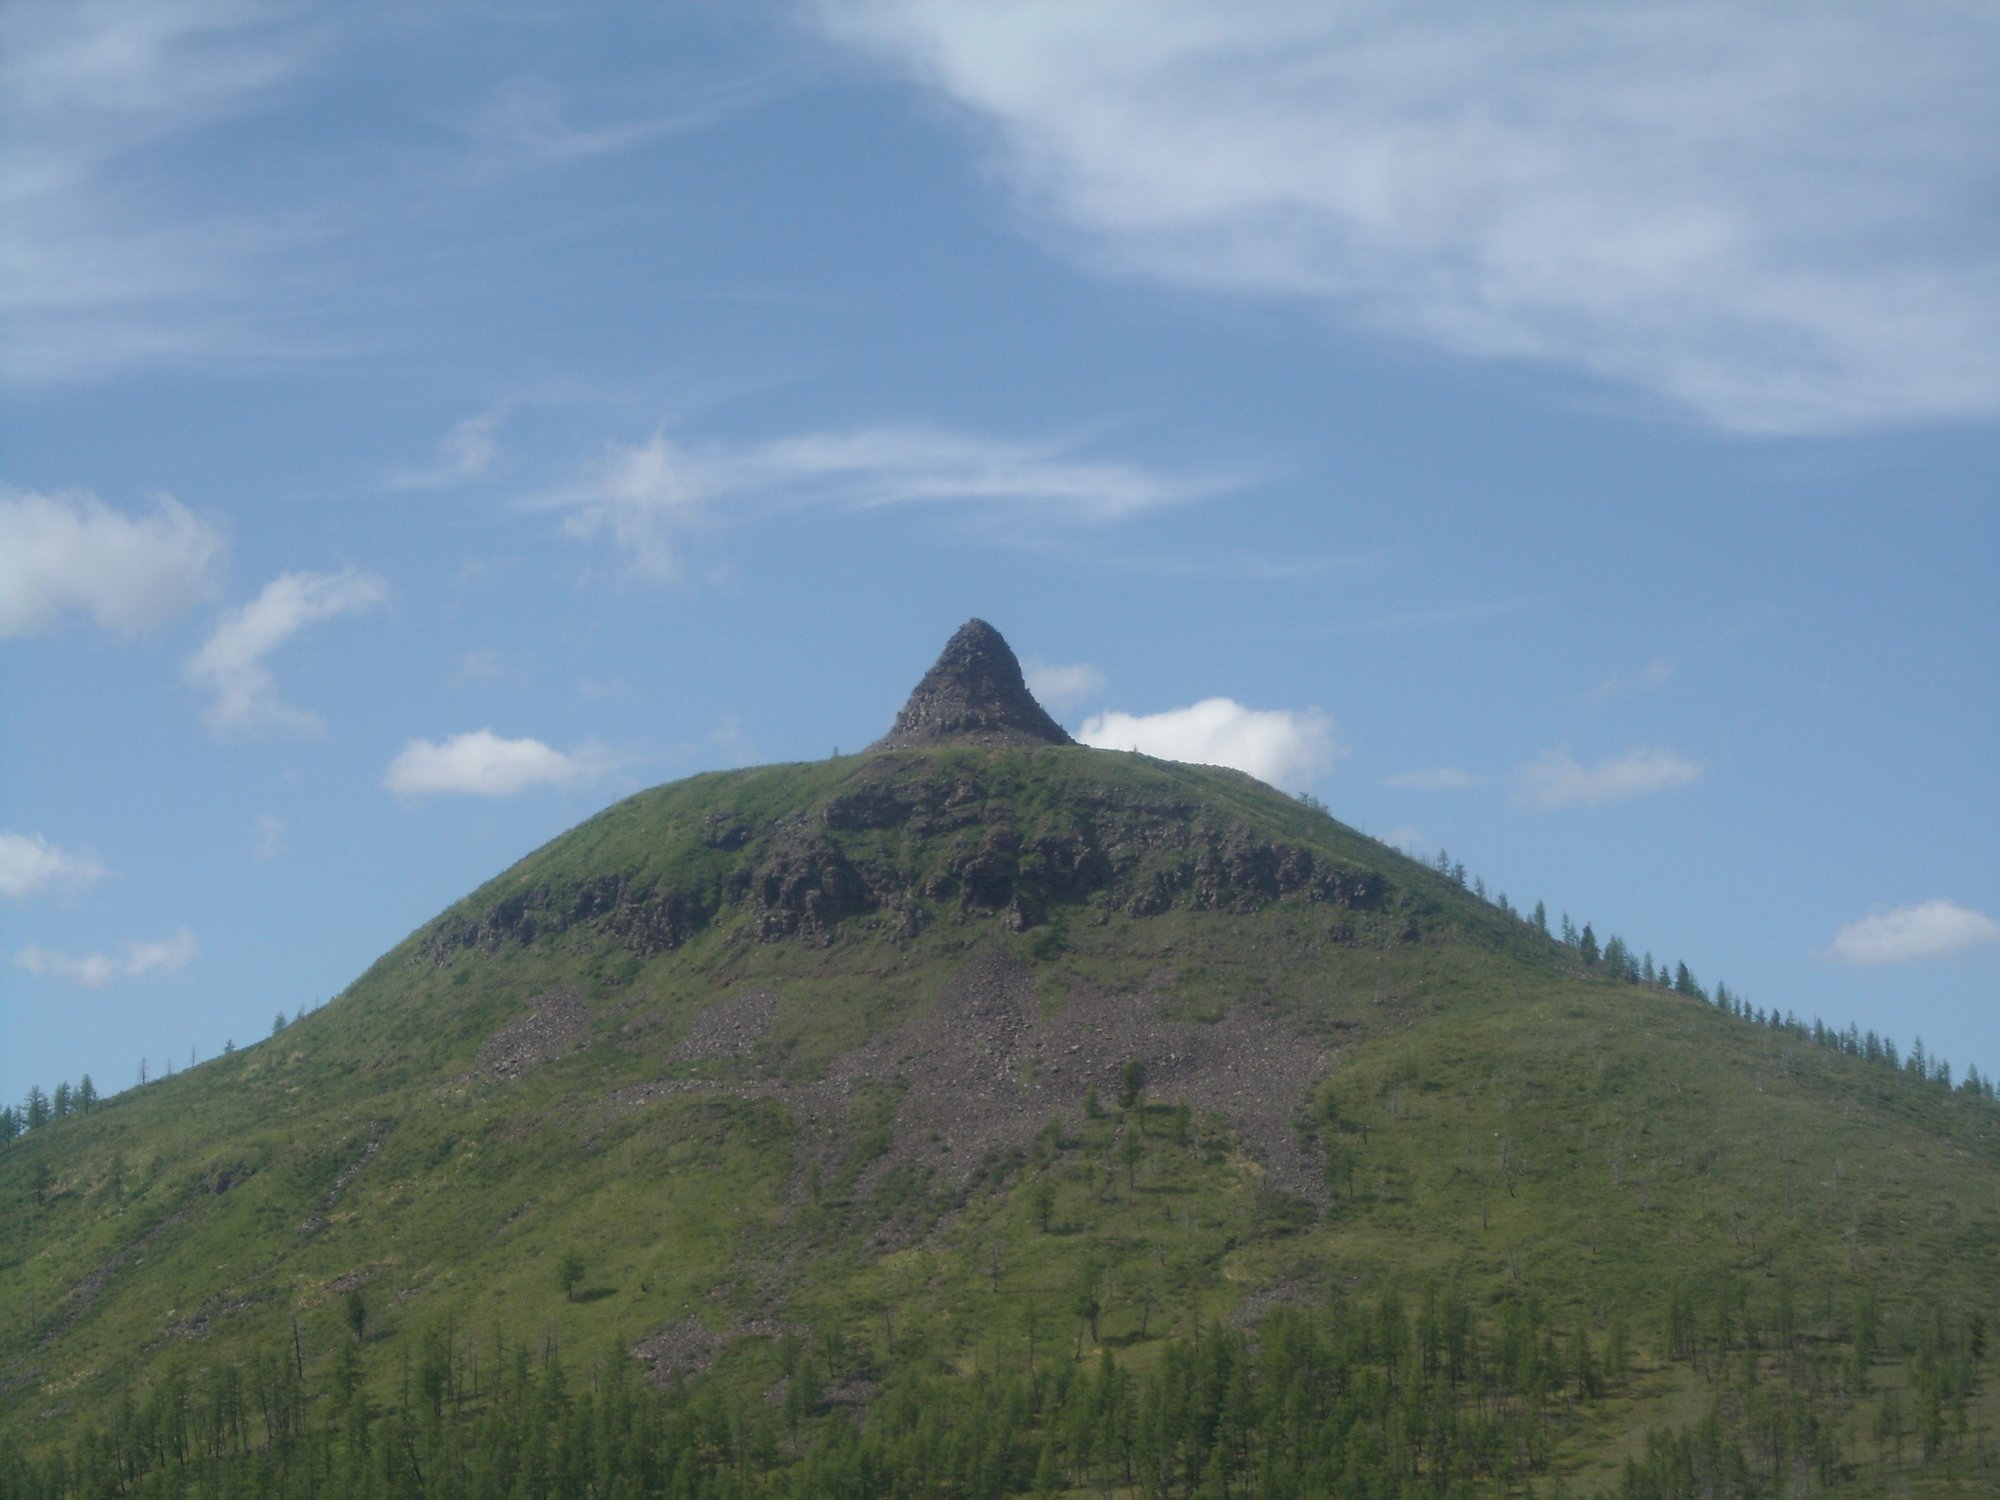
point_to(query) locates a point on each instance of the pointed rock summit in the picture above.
(973, 696)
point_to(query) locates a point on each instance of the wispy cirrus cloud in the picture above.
(1656, 673)
(70, 553)
(644, 498)
(1285, 747)
(1559, 780)
(1439, 617)
(1443, 779)
(31, 866)
(100, 268)
(95, 970)
(527, 123)
(1914, 934)
(482, 764)
(232, 663)
(270, 841)
(1635, 192)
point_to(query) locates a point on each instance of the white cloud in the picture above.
(644, 497)
(1406, 838)
(1655, 673)
(466, 452)
(1558, 780)
(1280, 746)
(641, 497)
(1911, 934)
(72, 552)
(30, 865)
(99, 969)
(1776, 217)
(231, 663)
(481, 764)
(1060, 687)
(1444, 779)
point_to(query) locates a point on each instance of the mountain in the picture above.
(962, 1095)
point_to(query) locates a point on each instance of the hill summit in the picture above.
(974, 695)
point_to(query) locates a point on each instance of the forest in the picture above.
(1391, 1397)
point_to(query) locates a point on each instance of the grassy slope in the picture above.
(1511, 1125)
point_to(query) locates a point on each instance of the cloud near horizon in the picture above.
(69, 552)
(31, 865)
(231, 664)
(482, 764)
(1283, 747)
(1632, 192)
(95, 970)
(1558, 780)
(1913, 934)
(1062, 687)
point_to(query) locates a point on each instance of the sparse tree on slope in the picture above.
(569, 1273)
(1618, 958)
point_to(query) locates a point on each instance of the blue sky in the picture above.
(1567, 436)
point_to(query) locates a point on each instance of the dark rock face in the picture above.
(973, 696)
(645, 917)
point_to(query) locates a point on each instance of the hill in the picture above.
(959, 1096)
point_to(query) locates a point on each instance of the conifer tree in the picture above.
(1130, 1149)
(1132, 1084)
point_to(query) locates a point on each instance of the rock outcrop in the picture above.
(912, 843)
(973, 696)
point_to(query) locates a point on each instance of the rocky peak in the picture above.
(973, 696)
